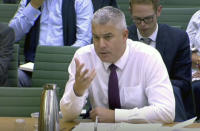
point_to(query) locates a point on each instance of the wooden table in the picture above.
(8, 124)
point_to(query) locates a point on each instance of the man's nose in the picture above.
(142, 23)
(102, 42)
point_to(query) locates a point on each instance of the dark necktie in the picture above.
(113, 89)
(146, 40)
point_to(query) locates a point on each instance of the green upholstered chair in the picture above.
(124, 6)
(51, 65)
(19, 102)
(180, 3)
(177, 16)
(7, 11)
(13, 68)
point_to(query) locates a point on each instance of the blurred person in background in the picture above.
(7, 37)
(193, 30)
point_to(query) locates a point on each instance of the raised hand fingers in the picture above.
(84, 74)
(83, 78)
(92, 75)
(79, 66)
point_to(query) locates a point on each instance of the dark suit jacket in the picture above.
(7, 38)
(173, 45)
(97, 4)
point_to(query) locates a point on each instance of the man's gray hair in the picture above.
(110, 14)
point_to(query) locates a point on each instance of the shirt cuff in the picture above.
(31, 13)
(121, 115)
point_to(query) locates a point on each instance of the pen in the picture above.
(96, 123)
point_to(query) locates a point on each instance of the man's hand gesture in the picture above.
(83, 78)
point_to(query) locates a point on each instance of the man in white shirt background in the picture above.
(193, 30)
(144, 91)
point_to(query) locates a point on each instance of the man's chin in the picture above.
(105, 60)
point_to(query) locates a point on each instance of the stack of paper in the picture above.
(116, 127)
(27, 67)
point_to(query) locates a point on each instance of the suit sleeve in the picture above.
(182, 66)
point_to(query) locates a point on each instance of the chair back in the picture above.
(51, 65)
(7, 11)
(19, 102)
(179, 17)
(13, 68)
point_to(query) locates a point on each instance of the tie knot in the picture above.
(146, 40)
(112, 67)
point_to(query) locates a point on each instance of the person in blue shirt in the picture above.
(51, 23)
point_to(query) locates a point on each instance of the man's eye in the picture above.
(148, 18)
(95, 37)
(107, 37)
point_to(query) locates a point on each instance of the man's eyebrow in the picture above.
(106, 34)
(143, 17)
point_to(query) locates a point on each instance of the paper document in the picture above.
(180, 126)
(27, 67)
(185, 123)
(116, 127)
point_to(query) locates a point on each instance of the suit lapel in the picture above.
(160, 40)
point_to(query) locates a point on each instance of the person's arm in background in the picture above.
(6, 49)
(84, 14)
(25, 17)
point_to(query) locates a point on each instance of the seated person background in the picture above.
(7, 37)
(193, 31)
(125, 80)
(51, 23)
(173, 45)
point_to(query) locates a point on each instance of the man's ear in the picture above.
(125, 33)
(159, 10)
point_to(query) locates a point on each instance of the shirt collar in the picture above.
(121, 62)
(152, 36)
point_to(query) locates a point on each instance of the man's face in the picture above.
(109, 41)
(145, 18)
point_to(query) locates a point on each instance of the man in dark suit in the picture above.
(7, 38)
(97, 4)
(172, 43)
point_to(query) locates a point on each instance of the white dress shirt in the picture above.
(146, 94)
(193, 30)
(51, 29)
